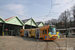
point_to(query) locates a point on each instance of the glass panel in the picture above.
(20, 31)
(29, 31)
(52, 30)
(45, 31)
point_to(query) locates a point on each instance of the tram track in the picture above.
(57, 45)
(47, 45)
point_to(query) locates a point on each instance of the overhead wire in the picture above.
(56, 4)
(49, 11)
(64, 3)
(37, 16)
(8, 11)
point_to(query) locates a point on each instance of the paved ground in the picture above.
(22, 43)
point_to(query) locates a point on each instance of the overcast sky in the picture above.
(37, 9)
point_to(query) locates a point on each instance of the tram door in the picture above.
(37, 33)
(26, 33)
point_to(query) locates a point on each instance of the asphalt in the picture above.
(23, 43)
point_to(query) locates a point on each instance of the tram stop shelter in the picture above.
(40, 24)
(29, 23)
(71, 30)
(13, 26)
(62, 30)
(1, 26)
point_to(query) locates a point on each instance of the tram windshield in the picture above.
(52, 29)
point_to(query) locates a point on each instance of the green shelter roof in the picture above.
(1, 20)
(14, 20)
(28, 22)
(40, 24)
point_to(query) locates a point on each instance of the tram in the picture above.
(46, 32)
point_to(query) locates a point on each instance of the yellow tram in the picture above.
(46, 32)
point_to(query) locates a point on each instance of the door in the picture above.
(46, 34)
(37, 33)
(25, 33)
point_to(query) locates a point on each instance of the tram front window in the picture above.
(52, 30)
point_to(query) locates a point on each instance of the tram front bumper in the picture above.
(54, 36)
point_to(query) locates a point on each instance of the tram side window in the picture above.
(20, 31)
(29, 31)
(45, 31)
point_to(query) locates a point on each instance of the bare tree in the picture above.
(73, 9)
(64, 15)
(54, 21)
(48, 22)
(64, 19)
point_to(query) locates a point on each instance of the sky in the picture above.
(39, 10)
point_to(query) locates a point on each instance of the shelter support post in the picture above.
(3, 29)
(23, 27)
(72, 31)
(69, 31)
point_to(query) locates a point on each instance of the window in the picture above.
(20, 31)
(29, 31)
(49, 30)
(45, 31)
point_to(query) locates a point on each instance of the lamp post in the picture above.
(31, 23)
(66, 23)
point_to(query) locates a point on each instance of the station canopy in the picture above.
(14, 20)
(1, 20)
(40, 24)
(30, 22)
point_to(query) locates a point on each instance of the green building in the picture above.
(40, 24)
(1, 26)
(12, 26)
(29, 23)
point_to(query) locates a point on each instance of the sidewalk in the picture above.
(69, 36)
